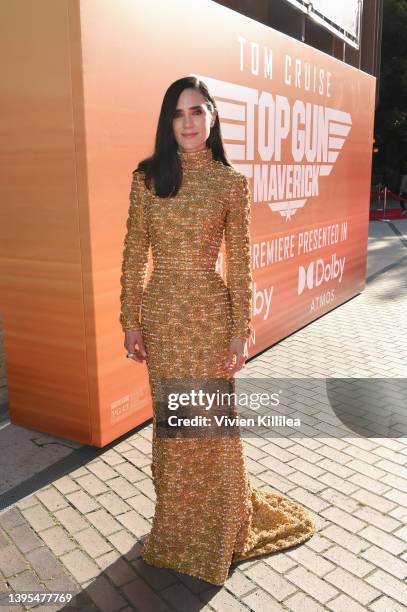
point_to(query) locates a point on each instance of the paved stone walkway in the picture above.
(82, 531)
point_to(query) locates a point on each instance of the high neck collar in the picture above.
(196, 159)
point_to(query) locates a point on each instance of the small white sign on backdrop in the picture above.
(342, 18)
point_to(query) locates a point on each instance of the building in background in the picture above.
(349, 30)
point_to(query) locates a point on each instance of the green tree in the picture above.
(391, 114)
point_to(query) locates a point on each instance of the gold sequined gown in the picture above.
(206, 515)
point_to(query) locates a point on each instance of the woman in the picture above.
(183, 198)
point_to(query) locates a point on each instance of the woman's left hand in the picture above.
(238, 348)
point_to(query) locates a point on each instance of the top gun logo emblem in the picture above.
(315, 133)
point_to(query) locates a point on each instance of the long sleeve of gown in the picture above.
(135, 259)
(238, 258)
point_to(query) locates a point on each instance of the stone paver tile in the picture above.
(123, 541)
(25, 538)
(271, 463)
(102, 470)
(280, 484)
(130, 473)
(57, 540)
(400, 514)
(363, 443)
(25, 581)
(146, 487)
(348, 583)
(105, 596)
(342, 557)
(111, 457)
(394, 445)
(311, 584)
(71, 519)
(359, 453)
(181, 598)
(92, 484)
(307, 557)
(386, 453)
(4, 539)
(396, 496)
(383, 540)
(11, 561)
(195, 585)
(364, 482)
(238, 584)
(401, 533)
(256, 453)
(306, 482)
(82, 501)
(336, 498)
(395, 481)
(270, 581)
(108, 559)
(260, 601)
(320, 522)
(126, 445)
(343, 519)
(279, 562)
(388, 466)
(120, 572)
(141, 444)
(45, 564)
(66, 485)
(372, 516)
(63, 582)
(343, 603)
(337, 469)
(27, 502)
(308, 499)
(222, 601)
(142, 505)
(385, 604)
(352, 542)
(158, 578)
(52, 499)
(113, 503)
(308, 468)
(143, 597)
(92, 542)
(122, 487)
(318, 543)
(378, 502)
(135, 523)
(389, 586)
(38, 518)
(386, 561)
(80, 566)
(302, 603)
(11, 518)
(104, 522)
(276, 451)
(81, 471)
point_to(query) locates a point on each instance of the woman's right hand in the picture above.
(131, 339)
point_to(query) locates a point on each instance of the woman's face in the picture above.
(192, 121)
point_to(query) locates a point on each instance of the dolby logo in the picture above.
(319, 272)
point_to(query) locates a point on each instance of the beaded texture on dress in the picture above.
(207, 515)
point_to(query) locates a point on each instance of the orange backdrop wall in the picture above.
(82, 94)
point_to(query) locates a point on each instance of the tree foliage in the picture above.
(391, 114)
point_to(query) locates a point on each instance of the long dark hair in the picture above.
(164, 166)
